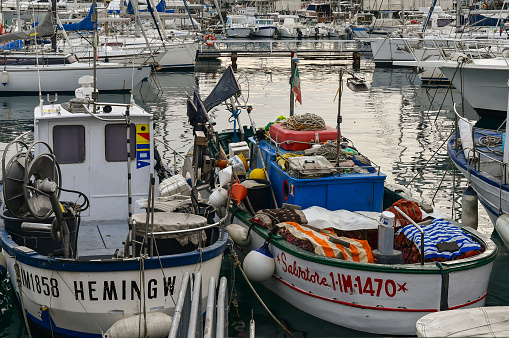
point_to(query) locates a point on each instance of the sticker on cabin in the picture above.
(142, 145)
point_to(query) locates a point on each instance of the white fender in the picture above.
(5, 77)
(239, 234)
(158, 325)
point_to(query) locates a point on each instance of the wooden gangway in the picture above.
(277, 48)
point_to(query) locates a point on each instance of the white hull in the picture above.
(103, 297)
(179, 55)
(264, 31)
(241, 32)
(370, 297)
(481, 80)
(65, 78)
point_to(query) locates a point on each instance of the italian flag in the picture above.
(296, 86)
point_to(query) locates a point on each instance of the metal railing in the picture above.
(188, 320)
(418, 228)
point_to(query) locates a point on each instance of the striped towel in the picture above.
(440, 231)
(353, 250)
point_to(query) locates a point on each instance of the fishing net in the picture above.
(306, 121)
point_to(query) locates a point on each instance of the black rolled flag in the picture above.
(225, 88)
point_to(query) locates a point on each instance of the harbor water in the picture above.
(398, 124)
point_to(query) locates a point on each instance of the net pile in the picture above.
(306, 121)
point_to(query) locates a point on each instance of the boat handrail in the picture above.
(418, 228)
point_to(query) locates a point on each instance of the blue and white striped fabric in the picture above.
(440, 231)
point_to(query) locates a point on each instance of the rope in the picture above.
(306, 121)
(489, 141)
(234, 117)
(236, 262)
(18, 279)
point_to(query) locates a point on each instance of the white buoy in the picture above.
(239, 234)
(158, 325)
(3, 266)
(502, 226)
(469, 214)
(5, 77)
(259, 264)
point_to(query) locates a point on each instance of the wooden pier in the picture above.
(306, 48)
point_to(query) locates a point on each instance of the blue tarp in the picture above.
(84, 25)
(18, 44)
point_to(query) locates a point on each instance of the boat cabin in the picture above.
(91, 149)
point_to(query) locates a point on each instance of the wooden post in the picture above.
(356, 60)
(292, 96)
(234, 60)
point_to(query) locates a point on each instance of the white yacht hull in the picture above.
(64, 78)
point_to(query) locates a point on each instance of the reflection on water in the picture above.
(396, 123)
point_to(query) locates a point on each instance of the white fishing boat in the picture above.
(238, 26)
(311, 234)
(481, 157)
(264, 27)
(76, 276)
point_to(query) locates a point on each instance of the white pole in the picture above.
(506, 143)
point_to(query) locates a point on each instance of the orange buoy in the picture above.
(239, 192)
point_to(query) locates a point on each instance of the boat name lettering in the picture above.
(40, 284)
(300, 272)
(123, 290)
(344, 283)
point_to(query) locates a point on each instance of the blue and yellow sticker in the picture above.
(142, 145)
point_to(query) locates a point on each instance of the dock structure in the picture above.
(306, 48)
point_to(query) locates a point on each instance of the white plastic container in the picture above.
(386, 233)
(174, 185)
(225, 176)
(239, 148)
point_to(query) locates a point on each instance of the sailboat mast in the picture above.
(94, 20)
(54, 22)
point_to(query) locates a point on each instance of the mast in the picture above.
(94, 20)
(54, 22)
(292, 96)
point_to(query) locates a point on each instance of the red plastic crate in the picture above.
(280, 134)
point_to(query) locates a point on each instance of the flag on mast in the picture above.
(296, 85)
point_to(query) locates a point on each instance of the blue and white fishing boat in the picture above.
(79, 267)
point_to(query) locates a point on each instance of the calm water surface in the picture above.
(397, 124)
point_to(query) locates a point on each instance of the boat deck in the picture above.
(97, 239)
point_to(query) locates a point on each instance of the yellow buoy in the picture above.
(257, 174)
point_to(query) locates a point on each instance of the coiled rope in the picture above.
(306, 121)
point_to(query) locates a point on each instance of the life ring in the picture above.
(210, 39)
(181, 10)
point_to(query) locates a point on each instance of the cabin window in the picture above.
(69, 143)
(116, 142)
